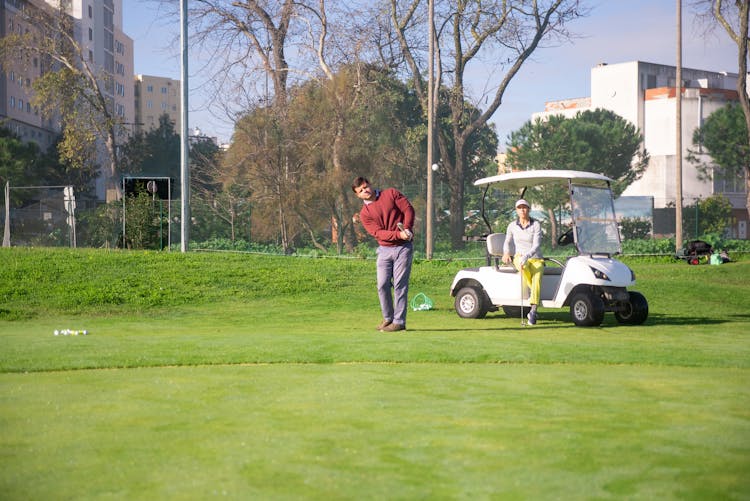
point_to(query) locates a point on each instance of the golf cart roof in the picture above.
(526, 178)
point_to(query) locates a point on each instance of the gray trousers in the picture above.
(393, 270)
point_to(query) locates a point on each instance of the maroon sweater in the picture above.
(381, 217)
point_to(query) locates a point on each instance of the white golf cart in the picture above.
(590, 283)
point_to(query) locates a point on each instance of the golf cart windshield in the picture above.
(594, 220)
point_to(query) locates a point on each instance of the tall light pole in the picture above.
(430, 129)
(184, 139)
(678, 141)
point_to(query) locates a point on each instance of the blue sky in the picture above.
(616, 31)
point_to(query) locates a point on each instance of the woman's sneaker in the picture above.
(531, 317)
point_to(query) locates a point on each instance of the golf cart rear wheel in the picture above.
(635, 310)
(515, 311)
(586, 309)
(471, 303)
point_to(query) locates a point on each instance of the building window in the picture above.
(729, 184)
(28, 107)
(164, 106)
(91, 12)
(163, 90)
(20, 104)
(91, 56)
(149, 104)
(91, 34)
(12, 102)
(150, 88)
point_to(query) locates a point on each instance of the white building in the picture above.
(645, 94)
(154, 97)
(16, 111)
(98, 32)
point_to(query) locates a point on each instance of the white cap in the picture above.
(521, 202)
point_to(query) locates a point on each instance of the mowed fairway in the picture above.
(254, 377)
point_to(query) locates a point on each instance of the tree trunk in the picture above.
(456, 205)
(338, 174)
(742, 85)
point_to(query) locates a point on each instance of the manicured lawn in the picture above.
(253, 377)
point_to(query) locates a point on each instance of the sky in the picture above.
(615, 31)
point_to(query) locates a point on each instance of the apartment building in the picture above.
(97, 27)
(99, 32)
(154, 97)
(16, 111)
(645, 94)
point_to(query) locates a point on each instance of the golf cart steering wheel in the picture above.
(566, 238)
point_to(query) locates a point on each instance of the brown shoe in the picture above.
(383, 325)
(393, 328)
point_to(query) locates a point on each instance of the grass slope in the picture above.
(249, 376)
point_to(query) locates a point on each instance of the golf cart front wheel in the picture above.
(586, 309)
(634, 311)
(471, 303)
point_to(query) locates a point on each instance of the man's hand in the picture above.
(404, 234)
(506, 258)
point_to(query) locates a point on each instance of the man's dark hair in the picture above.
(359, 182)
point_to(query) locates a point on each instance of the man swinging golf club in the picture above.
(525, 234)
(389, 217)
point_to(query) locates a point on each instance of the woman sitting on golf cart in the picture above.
(525, 234)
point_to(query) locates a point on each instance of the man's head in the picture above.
(362, 188)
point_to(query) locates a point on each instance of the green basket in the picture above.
(421, 302)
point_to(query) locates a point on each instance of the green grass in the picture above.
(254, 377)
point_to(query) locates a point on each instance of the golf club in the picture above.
(523, 320)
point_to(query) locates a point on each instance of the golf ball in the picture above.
(57, 332)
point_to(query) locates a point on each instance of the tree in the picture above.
(24, 164)
(224, 199)
(73, 91)
(594, 140)
(155, 152)
(18, 160)
(723, 136)
(363, 121)
(379, 129)
(712, 215)
(248, 41)
(259, 33)
(734, 17)
(470, 33)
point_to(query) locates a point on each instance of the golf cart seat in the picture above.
(495, 243)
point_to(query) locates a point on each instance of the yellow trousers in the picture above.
(531, 274)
